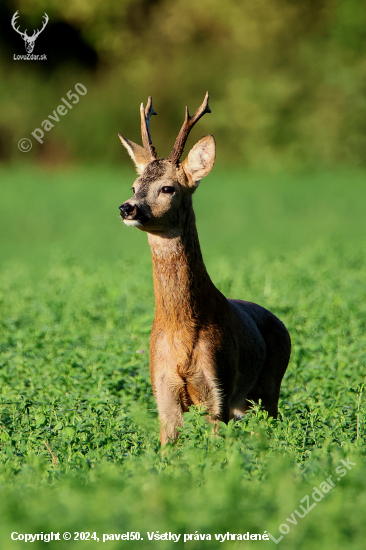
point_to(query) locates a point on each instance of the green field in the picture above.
(77, 305)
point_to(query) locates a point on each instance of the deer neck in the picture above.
(181, 283)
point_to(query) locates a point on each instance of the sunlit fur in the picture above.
(133, 223)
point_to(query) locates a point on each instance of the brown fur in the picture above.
(204, 349)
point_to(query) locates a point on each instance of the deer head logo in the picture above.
(28, 40)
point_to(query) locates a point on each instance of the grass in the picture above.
(79, 427)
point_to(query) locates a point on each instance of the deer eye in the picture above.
(167, 189)
(133, 189)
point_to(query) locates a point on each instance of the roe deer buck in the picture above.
(204, 349)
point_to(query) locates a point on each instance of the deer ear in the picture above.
(138, 154)
(200, 160)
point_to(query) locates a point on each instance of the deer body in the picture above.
(204, 349)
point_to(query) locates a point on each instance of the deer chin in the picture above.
(133, 223)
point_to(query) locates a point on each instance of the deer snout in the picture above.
(127, 209)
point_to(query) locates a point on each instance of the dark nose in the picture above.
(127, 209)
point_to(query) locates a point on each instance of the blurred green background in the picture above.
(287, 85)
(287, 79)
(241, 215)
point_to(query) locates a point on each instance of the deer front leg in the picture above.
(167, 394)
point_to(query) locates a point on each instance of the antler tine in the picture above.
(13, 21)
(188, 124)
(145, 127)
(46, 19)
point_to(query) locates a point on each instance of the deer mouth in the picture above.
(133, 223)
(136, 221)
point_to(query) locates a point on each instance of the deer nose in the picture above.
(127, 209)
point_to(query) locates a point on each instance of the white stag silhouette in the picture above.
(28, 40)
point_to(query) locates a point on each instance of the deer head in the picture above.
(163, 191)
(28, 40)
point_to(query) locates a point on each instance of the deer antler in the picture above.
(145, 127)
(37, 33)
(13, 21)
(188, 124)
